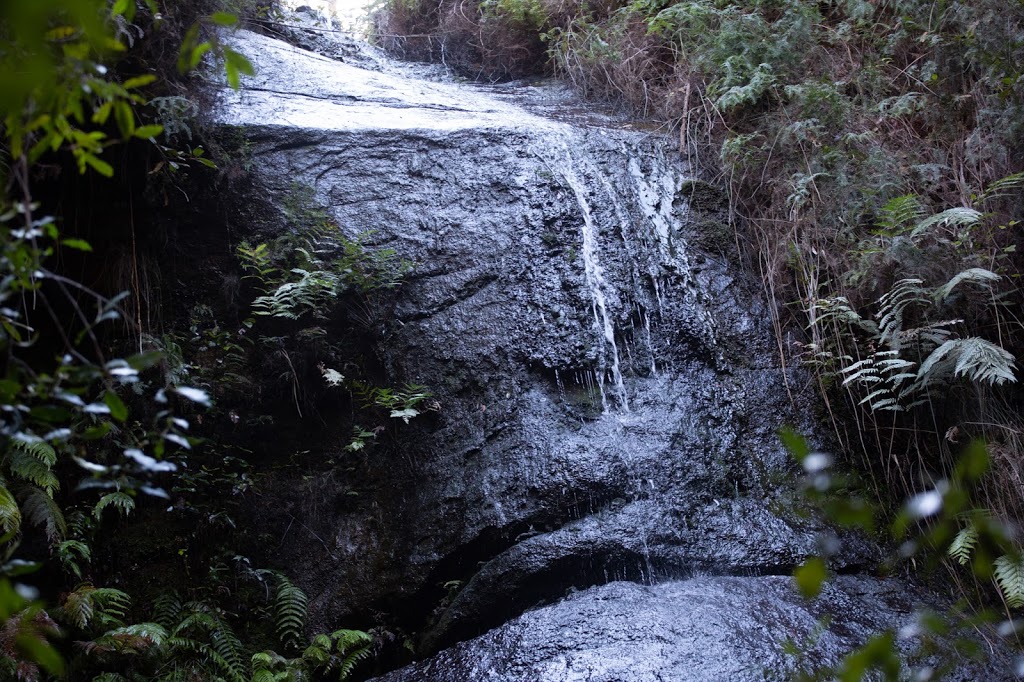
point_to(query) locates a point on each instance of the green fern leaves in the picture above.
(963, 544)
(979, 360)
(1009, 575)
(891, 376)
(290, 612)
(121, 501)
(102, 606)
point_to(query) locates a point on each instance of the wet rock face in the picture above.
(609, 393)
(699, 630)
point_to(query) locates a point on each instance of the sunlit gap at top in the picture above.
(349, 15)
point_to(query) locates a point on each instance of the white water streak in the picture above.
(597, 284)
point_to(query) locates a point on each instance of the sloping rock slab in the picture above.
(702, 629)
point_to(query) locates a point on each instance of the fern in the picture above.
(963, 544)
(352, 646)
(893, 306)
(104, 606)
(167, 609)
(33, 462)
(130, 639)
(1009, 575)
(40, 509)
(231, 671)
(290, 612)
(953, 217)
(899, 212)
(1008, 186)
(10, 514)
(71, 552)
(972, 275)
(975, 358)
(291, 300)
(203, 632)
(120, 500)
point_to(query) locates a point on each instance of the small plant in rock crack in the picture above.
(405, 403)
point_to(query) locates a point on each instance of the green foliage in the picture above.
(1009, 574)
(289, 612)
(339, 652)
(104, 607)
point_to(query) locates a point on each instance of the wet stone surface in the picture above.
(609, 392)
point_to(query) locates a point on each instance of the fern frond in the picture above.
(32, 463)
(105, 606)
(1009, 575)
(39, 449)
(957, 216)
(40, 509)
(78, 607)
(130, 639)
(973, 275)
(121, 501)
(899, 212)
(10, 514)
(290, 607)
(229, 650)
(1010, 185)
(354, 646)
(963, 544)
(71, 552)
(975, 358)
(892, 306)
(167, 609)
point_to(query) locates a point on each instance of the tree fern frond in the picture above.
(963, 544)
(120, 500)
(1009, 575)
(167, 609)
(40, 509)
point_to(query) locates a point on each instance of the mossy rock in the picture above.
(713, 235)
(703, 196)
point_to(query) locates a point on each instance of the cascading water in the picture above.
(596, 284)
(551, 239)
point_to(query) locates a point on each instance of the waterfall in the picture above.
(596, 284)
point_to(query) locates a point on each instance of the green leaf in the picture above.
(196, 55)
(794, 443)
(125, 8)
(810, 577)
(118, 410)
(223, 19)
(99, 165)
(146, 132)
(139, 81)
(78, 244)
